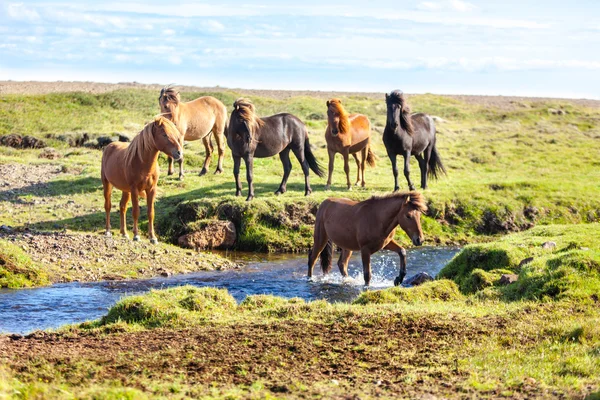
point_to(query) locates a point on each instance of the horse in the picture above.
(250, 136)
(196, 119)
(348, 134)
(367, 226)
(408, 135)
(133, 168)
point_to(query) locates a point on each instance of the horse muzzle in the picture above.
(417, 240)
(177, 155)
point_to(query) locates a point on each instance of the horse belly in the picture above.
(198, 127)
(342, 235)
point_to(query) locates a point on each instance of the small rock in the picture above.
(15, 336)
(165, 273)
(549, 245)
(6, 229)
(53, 259)
(99, 260)
(507, 279)
(525, 261)
(418, 279)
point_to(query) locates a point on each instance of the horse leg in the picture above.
(170, 170)
(366, 261)
(236, 174)
(331, 161)
(221, 142)
(209, 149)
(347, 169)
(392, 157)
(407, 170)
(363, 164)
(426, 158)
(150, 196)
(299, 153)
(357, 169)
(319, 243)
(343, 262)
(249, 160)
(284, 156)
(180, 162)
(107, 205)
(135, 208)
(423, 168)
(393, 246)
(125, 197)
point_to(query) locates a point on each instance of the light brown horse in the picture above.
(133, 169)
(196, 119)
(367, 226)
(348, 134)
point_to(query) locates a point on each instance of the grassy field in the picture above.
(536, 338)
(509, 167)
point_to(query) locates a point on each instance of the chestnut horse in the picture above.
(196, 119)
(367, 226)
(133, 168)
(250, 136)
(348, 134)
(410, 134)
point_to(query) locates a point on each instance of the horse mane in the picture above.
(344, 126)
(246, 111)
(397, 97)
(144, 142)
(172, 97)
(415, 199)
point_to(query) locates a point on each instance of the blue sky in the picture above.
(439, 46)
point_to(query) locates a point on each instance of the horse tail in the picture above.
(312, 161)
(436, 168)
(371, 157)
(326, 257)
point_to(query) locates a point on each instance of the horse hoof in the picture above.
(398, 281)
(249, 198)
(349, 188)
(218, 171)
(396, 188)
(180, 178)
(136, 238)
(154, 240)
(203, 172)
(238, 193)
(327, 187)
(125, 236)
(308, 193)
(107, 234)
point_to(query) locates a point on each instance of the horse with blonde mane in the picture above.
(196, 119)
(348, 134)
(367, 226)
(133, 169)
(250, 136)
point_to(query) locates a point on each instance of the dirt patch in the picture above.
(17, 176)
(374, 357)
(91, 257)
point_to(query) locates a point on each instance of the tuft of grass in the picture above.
(16, 268)
(178, 306)
(439, 290)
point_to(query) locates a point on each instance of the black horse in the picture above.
(249, 136)
(407, 135)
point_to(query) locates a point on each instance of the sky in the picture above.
(528, 48)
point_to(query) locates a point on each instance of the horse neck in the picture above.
(390, 208)
(145, 162)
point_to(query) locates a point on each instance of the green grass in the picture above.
(508, 168)
(16, 268)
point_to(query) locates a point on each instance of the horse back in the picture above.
(361, 127)
(201, 115)
(277, 132)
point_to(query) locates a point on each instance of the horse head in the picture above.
(337, 117)
(398, 111)
(167, 138)
(409, 217)
(168, 100)
(244, 121)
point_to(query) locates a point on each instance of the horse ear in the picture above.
(387, 96)
(327, 103)
(407, 199)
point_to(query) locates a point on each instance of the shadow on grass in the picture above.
(62, 187)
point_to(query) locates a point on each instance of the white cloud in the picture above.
(168, 32)
(461, 6)
(20, 12)
(214, 26)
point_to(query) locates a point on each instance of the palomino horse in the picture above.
(348, 134)
(408, 134)
(196, 119)
(367, 226)
(133, 168)
(250, 136)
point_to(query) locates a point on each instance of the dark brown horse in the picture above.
(348, 134)
(197, 119)
(407, 135)
(250, 136)
(367, 226)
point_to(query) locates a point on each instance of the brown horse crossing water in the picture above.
(196, 119)
(133, 168)
(367, 226)
(348, 134)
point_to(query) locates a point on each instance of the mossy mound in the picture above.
(267, 301)
(440, 290)
(17, 270)
(171, 307)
